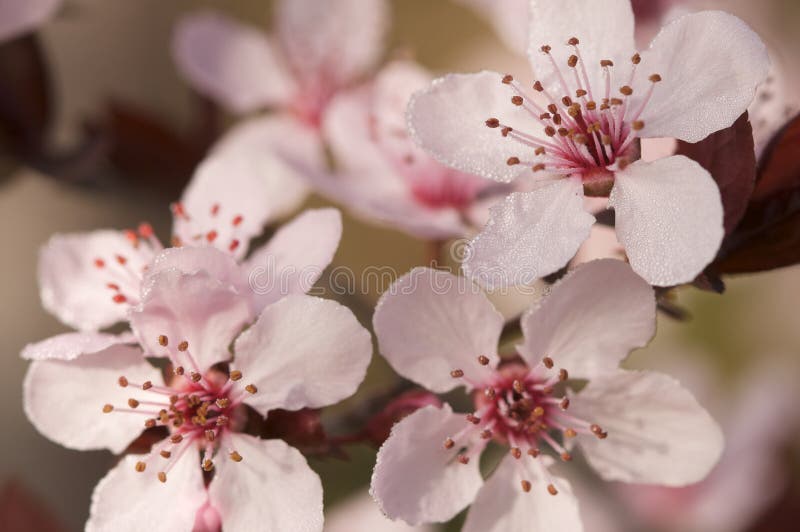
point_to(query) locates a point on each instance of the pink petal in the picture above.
(272, 488)
(128, 501)
(530, 235)
(591, 319)
(64, 399)
(190, 260)
(303, 352)
(230, 62)
(710, 64)
(604, 29)
(294, 259)
(415, 478)
(265, 143)
(19, 17)
(669, 218)
(195, 308)
(69, 346)
(430, 323)
(657, 432)
(503, 506)
(78, 273)
(332, 44)
(448, 119)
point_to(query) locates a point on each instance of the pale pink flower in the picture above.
(18, 17)
(301, 352)
(578, 130)
(90, 280)
(632, 426)
(383, 175)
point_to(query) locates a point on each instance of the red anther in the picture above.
(99, 263)
(122, 260)
(237, 220)
(113, 286)
(234, 245)
(119, 298)
(211, 235)
(178, 210)
(145, 230)
(131, 235)
(214, 209)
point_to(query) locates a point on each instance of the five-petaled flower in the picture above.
(575, 132)
(564, 388)
(89, 391)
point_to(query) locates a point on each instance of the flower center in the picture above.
(588, 129)
(209, 235)
(196, 408)
(520, 407)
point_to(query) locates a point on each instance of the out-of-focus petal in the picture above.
(272, 488)
(502, 505)
(669, 218)
(196, 308)
(303, 352)
(64, 399)
(19, 17)
(530, 235)
(128, 501)
(710, 64)
(591, 320)
(415, 478)
(657, 432)
(431, 323)
(232, 63)
(294, 259)
(69, 346)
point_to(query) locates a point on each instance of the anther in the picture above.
(637, 125)
(551, 489)
(222, 421)
(464, 459)
(236, 457)
(107, 408)
(163, 340)
(223, 402)
(183, 346)
(233, 246)
(483, 360)
(119, 298)
(534, 452)
(165, 454)
(508, 78)
(550, 131)
(176, 438)
(486, 434)
(517, 100)
(564, 404)
(546, 48)
(526, 486)
(573, 41)
(563, 375)
(565, 456)
(236, 375)
(626, 90)
(121, 260)
(472, 418)
(580, 93)
(512, 161)
(655, 78)
(598, 431)
(133, 403)
(538, 87)
(591, 105)
(179, 370)
(490, 392)
(140, 467)
(449, 443)
(251, 388)
(538, 411)
(517, 385)
(150, 423)
(145, 230)
(162, 476)
(539, 151)
(208, 465)
(567, 101)
(211, 235)
(616, 101)
(457, 373)
(606, 63)
(237, 220)
(210, 435)
(538, 167)
(506, 130)
(562, 131)
(570, 433)
(557, 119)
(572, 61)
(548, 362)
(493, 123)
(553, 108)
(99, 263)
(516, 452)
(147, 385)
(636, 59)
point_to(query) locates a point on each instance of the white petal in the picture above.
(17, 18)
(188, 259)
(604, 29)
(232, 63)
(448, 119)
(503, 506)
(415, 478)
(128, 501)
(303, 352)
(591, 320)
(530, 235)
(710, 64)
(271, 489)
(657, 432)
(227, 197)
(196, 308)
(264, 142)
(64, 399)
(294, 259)
(76, 290)
(69, 346)
(430, 323)
(335, 43)
(669, 218)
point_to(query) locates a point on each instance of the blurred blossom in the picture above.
(18, 17)
(668, 212)
(384, 176)
(300, 352)
(359, 514)
(91, 280)
(632, 426)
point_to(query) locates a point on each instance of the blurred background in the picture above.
(125, 132)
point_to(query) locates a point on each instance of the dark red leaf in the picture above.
(729, 156)
(22, 511)
(779, 167)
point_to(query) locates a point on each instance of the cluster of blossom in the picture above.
(202, 351)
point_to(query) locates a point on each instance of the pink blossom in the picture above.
(383, 175)
(576, 133)
(20, 17)
(301, 352)
(632, 426)
(90, 280)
